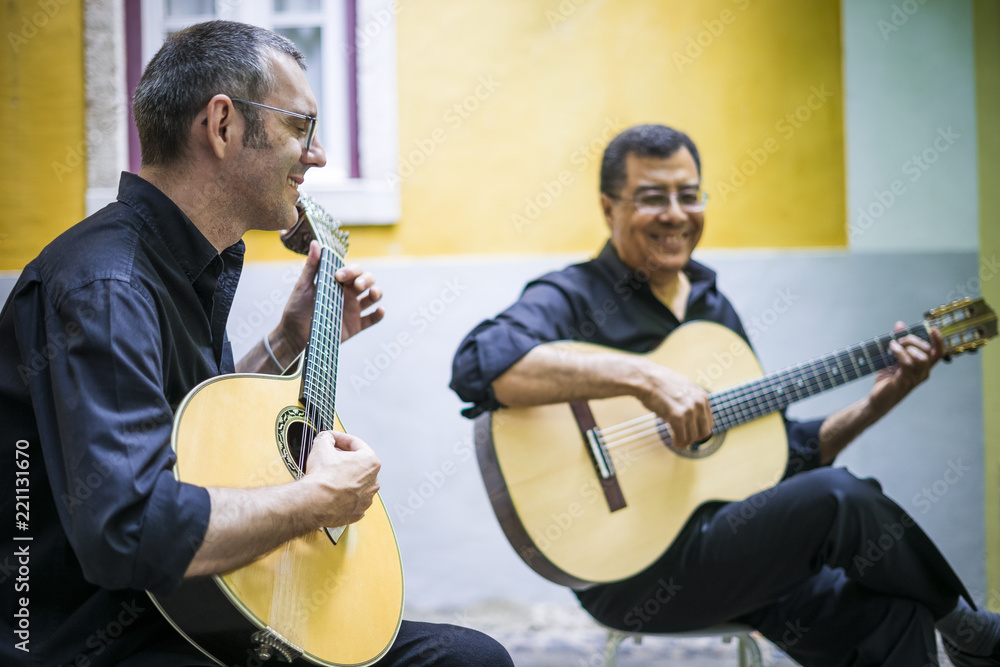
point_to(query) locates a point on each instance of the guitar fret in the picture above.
(738, 405)
(838, 371)
(824, 380)
(798, 389)
(851, 354)
(877, 354)
(814, 381)
(320, 382)
(767, 405)
(865, 359)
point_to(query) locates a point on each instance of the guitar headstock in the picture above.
(314, 223)
(965, 325)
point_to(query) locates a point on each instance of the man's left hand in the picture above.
(360, 294)
(915, 358)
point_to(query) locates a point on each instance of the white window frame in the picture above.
(107, 116)
(372, 198)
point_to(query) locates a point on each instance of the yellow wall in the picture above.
(43, 163)
(987, 50)
(564, 76)
(506, 107)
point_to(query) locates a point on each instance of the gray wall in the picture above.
(910, 125)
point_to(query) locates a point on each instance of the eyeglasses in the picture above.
(310, 132)
(653, 202)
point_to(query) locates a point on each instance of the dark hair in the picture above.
(191, 67)
(645, 141)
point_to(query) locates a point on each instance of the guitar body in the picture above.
(591, 492)
(346, 599)
(545, 487)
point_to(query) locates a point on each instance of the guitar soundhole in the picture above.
(299, 433)
(291, 433)
(702, 448)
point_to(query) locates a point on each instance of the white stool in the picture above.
(746, 646)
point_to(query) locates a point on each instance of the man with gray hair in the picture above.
(114, 323)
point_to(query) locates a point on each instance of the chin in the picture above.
(289, 221)
(671, 262)
(278, 219)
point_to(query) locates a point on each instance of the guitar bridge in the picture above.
(599, 454)
(268, 643)
(603, 464)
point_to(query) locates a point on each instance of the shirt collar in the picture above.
(701, 277)
(190, 249)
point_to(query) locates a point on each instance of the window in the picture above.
(355, 87)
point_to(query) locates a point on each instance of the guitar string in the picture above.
(871, 354)
(824, 368)
(318, 389)
(291, 564)
(329, 297)
(821, 376)
(319, 419)
(624, 425)
(653, 438)
(740, 404)
(283, 594)
(730, 407)
(656, 428)
(283, 585)
(723, 402)
(315, 415)
(734, 407)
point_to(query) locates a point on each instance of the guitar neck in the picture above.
(771, 393)
(319, 383)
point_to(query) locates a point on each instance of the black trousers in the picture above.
(435, 645)
(416, 645)
(823, 564)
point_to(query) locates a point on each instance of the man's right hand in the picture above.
(345, 469)
(340, 481)
(552, 374)
(679, 402)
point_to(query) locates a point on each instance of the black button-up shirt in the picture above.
(604, 302)
(104, 334)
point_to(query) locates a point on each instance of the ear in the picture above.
(607, 206)
(220, 125)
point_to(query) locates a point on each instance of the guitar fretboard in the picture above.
(771, 393)
(319, 386)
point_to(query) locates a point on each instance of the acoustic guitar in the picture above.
(331, 597)
(594, 492)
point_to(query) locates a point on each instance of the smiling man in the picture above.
(799, 561)
(107, 331)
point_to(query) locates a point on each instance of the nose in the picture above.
(673, 212)
(316, 155)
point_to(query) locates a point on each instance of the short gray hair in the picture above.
(190, 68)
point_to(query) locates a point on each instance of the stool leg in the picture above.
(615, 639)
(749, 652)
